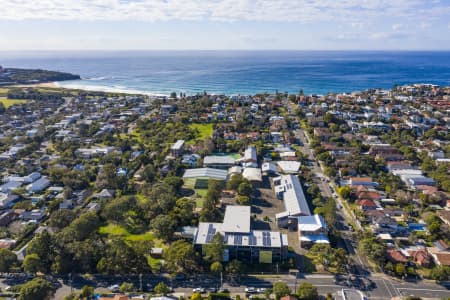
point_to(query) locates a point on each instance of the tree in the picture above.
(245, 189)
(345, 192)
(440, 273)
(175, 182)
(234, 182)
(87, 291)
(120, 258)
(196, 296)
(400, 269)
(84, 225)
(126, 287)
(281, 289)
(33, 264)
(162, 288)
(184, 211)
(42, 246)
(234, 268)
(7, 260)
(163, 226)
(243, 200)
(307, 291)
(115, 209)
(214, 249)
(181, 257)
(216, 267)
(62, 218)
(38, 288)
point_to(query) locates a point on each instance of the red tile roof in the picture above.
(396, 256)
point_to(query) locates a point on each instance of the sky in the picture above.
(28, 25)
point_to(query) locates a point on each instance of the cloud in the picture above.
(390, 35)
(424, 25)
(398, 26)
(219, 10)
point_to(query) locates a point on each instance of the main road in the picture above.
(383, 287)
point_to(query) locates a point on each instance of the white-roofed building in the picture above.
(218, 161)
(198, 178)
(234, 170)
(240, 240)
(177, 148)
(289, 167)
(208, 173)
(289, 189)
(268, 168)
(312, 230)
(39, 185)
(253, 175)
(236, 219)
(250, 158)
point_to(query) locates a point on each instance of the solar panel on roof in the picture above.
(252, 240)
(266, 238)
(211, 233)
(238, 240)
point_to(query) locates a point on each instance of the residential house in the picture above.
(105, 194)
(177, 149)
(39, 185)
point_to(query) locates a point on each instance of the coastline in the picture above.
(52, 84)
(104, 88)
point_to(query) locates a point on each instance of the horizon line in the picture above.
(225, 50)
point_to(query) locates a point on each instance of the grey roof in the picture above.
(218, 159)
(252, 174)
(9, 186)
(237, 219)
(39, 185)
(206, 172)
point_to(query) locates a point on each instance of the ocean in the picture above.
(238, 72)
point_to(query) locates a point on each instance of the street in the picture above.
(383, 288)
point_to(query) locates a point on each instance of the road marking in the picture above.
(395, 289)
(425, 290)
(389, 291)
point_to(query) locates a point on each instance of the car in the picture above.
(114, 288)
(224, 291)
(212, 290)
(198, 290)
(250, 290)
(261, 290)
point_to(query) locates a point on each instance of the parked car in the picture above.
(198, 290)
(250, 290)
(114, 288)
